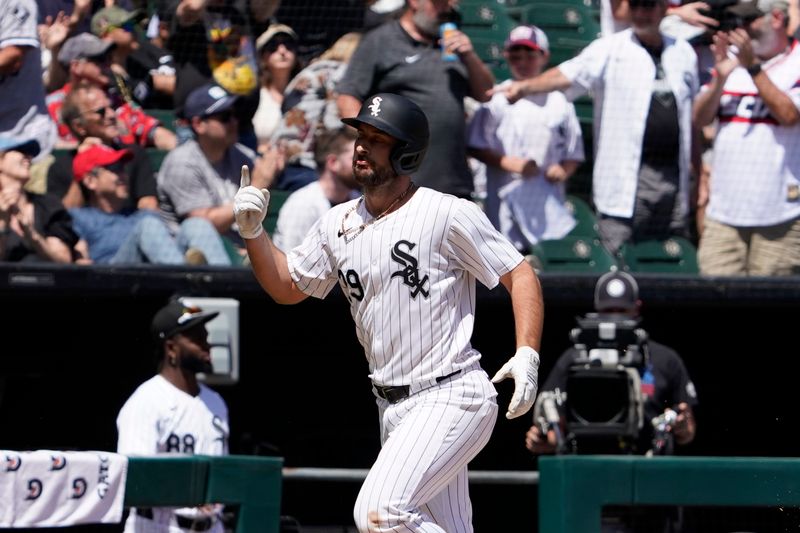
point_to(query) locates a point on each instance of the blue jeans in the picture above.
(151, 242)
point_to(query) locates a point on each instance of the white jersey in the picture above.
(542, 127)
(160, 418)
(755, 174)
(620, 75)
(410, 279)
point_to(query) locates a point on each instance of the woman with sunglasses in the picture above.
(276, 51)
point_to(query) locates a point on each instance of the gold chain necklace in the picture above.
(351, 233)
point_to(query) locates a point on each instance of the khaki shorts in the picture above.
(750, 251)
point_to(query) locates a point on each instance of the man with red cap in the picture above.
(119, 235)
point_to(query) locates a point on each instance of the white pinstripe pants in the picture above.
(419, 480)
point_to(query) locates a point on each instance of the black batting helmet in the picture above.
(402, 119)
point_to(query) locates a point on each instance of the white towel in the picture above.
(48, 488)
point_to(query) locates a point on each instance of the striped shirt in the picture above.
(755, 174)
(409, 278)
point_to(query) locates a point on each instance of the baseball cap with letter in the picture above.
(178, 316)
(96, 156)
(529, 36)
(616, 291)
(207, 100)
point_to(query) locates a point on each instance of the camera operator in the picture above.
(665, 384)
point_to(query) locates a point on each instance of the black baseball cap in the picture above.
(177, 316)
(616, 290)
(207, 100)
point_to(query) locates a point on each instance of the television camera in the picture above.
(601, 409)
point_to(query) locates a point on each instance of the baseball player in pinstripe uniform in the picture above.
(407, 258)
(173, 413)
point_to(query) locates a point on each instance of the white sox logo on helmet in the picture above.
(375, 106)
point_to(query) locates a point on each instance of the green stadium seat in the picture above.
(233, 253)
(584, 216)
(487, 41)
(480, 13)
(569, 26)
(571, 254)
(675, 255)
(167, 117)
(276, 201)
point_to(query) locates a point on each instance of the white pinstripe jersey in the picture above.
(160, 418)
(410, 279)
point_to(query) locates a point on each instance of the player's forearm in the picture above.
(272, 270)
(527, 304)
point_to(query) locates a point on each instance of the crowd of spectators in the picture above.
(695, 127)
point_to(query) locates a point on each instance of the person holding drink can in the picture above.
(409, 57)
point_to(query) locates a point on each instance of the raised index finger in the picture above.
(245, 176)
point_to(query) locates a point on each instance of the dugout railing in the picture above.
(252, 484)
(574, 489)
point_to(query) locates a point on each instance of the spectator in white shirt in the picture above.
(333, 151)
(530, 149)
(643, 84)
(752, 224)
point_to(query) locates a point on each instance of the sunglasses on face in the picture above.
(273, 45)
(224, 117)
(100, 111)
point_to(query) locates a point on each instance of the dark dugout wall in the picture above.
(76, 344)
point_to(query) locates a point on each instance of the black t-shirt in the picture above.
(142, 61)
(665, 383)
(51, 220)
(661, 143)
(141, 177)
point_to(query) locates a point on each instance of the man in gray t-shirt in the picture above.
(200, 177)
(404, 57)
(22, 113)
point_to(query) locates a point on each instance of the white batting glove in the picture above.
(524, 369)
(250, 207)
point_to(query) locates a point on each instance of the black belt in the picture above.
(201, 523)
(400, 392)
